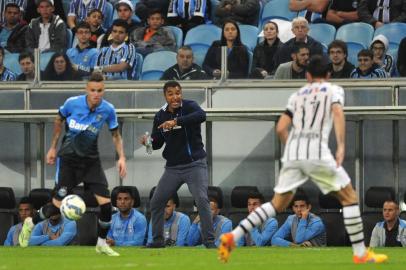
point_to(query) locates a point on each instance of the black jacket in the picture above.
(193, 73)
(344, 73)
(401, 64)
(397, 11)
(237, 61)
(243, 11)
(183, 145)
(16, 40)
(264, 58)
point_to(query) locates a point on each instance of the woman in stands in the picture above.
(237, 59)
(60, 68)
(262, 64)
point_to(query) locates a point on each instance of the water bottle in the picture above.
(148, 143)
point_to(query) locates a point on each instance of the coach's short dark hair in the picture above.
(338, 44)
(171, 84)
(96, 77)
(24, 55)
(120, 23)
(301, 196)
(366, 53)
(256, 195)
(127, 190)
(298, 46)
(84, 25)
(318, 66)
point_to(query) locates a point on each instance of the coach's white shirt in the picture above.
(312, 121)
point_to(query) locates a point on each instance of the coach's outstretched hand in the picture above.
(51, 156)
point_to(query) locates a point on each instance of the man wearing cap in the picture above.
(78, 10)
(125, 11)
(47, 32)
(12, 31)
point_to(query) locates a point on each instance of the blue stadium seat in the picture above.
(277, 9)
(108, 16)
(44, 59)
(156, 63)
(202, 36)
(394, 32)
(69, 38)
(322, 32)
(249, 35)
(11, 62)
(358, 32)
(178, 33)
(138, 68)
(214, 5)
(353, 49)
(199, 53)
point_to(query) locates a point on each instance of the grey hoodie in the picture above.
(388, 63)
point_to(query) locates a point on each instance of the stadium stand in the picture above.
(374, 198)
(394, 32)
(323, 33)
(108, 16)
(178, 33)
(249, 36)
(331, 214)
(353, 49)
(44, 59)
(69, 38)
(7, 211)
(156, 63)
(276, 9)
(11, 62)
(359, 32)
(199, 53)
(202, 36)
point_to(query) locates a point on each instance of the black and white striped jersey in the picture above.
(312, 120)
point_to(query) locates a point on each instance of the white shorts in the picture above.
(324, 173)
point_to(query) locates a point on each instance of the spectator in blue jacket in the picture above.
(221, 225)
(25, 210)
(303, 228)
(259, 236)
(55, 231)
(128, 226)
(367, 69)
(176, 226)
(391, 232)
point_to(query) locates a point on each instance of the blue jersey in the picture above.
(79, 9)
(129, 231)
(83, 126)
(66, 229)
(261, 235)
(85, 59)
(183, 225)
(7, 75)
(221, 225)
(123, 53)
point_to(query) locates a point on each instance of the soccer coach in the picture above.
(177, 124)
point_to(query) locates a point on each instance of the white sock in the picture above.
(101, 241)
(257, 217)
(353, 225)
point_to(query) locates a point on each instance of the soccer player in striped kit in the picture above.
(311, 112)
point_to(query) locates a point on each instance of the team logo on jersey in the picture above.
(85, 58)
(99, 117)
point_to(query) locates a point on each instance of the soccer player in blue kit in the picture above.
(78, 158)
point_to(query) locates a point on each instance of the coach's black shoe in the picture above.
(210, 245)
(155, 245)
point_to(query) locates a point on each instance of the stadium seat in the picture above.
(353, 49)
(69, 38)
(249, 35)
(11, 62)
(202, 36)
(394, 32)
(217, 193)
(199, 53)
(178, 33)
(277, 9)
(214, 5)
(138, 67)
(87, 226)
(156, 63)
(374, 198)
(331, 214)
(135, 194)
(44, 59)
(7, 211)
(108, 16)
(322, 32)
(358, 32)
(239, 199)
(40, 197)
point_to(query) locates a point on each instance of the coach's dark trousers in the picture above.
(195, 176)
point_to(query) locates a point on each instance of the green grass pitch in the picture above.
(78, 258)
